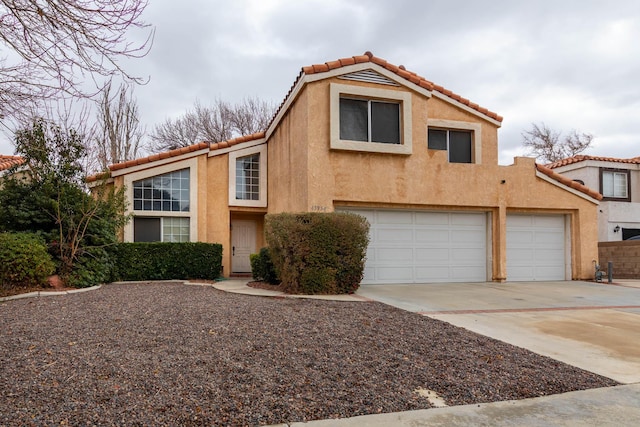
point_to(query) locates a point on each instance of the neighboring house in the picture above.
(362, 135)
(7, 162)
(618, 180)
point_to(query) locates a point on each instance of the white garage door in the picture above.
(425, 247)
(536, 247)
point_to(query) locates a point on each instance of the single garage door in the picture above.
(536, 248)
(425, 247)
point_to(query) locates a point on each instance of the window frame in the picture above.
(454, 125)
(627, 175)
(261, 150)
(192, 165)
(162, 225)
(402, 98)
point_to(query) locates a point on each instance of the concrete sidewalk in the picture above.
(613, 406)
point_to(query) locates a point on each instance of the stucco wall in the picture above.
(625, 257)
(425, 179)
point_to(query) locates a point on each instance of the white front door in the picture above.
(243, 244)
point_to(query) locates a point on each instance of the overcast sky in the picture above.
(570, 64)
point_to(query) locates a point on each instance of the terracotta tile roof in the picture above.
(235, 141)
(569, 182)
(7, 162)
(399, 70)
(582, 157)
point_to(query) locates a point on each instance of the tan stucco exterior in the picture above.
(305, 174)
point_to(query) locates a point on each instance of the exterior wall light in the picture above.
(616, 229)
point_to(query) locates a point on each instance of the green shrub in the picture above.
(166, 261)
(93, 267)
(318, 253)
(262, 267)
(24, 260)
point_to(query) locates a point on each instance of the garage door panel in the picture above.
(394, 255)
(431, 236)
(432, 218)
(535, 247)
(394, 274)
(431, 255)
(394, 235)
(432, 274)
(472, 219)
(394, 217)
(473, 237)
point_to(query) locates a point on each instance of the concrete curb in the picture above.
(49, 293)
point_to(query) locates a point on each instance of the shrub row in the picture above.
(24, 260)
(318, 253)
(165, 261)
(262, 267)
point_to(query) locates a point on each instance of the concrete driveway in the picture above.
(592, 326)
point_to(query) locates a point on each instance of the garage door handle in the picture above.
(233, 251)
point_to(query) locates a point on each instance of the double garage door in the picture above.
(431, 247)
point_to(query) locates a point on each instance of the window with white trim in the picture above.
(166, 193)
(370, 119)
(248, 177)
(614, 184)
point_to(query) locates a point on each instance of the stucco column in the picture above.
(499, 233)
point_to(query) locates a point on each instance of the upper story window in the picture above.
(370, 119)
(248, 177)
(461, 140)
(167, 193)
(456, 142)
(614, 184)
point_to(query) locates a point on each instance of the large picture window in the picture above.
(167, 193)
(369, 121)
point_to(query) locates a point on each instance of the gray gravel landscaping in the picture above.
(172, 354)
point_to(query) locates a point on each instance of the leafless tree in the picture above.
(550, 146)
(52, 47)
(119, 132)
(219, 122)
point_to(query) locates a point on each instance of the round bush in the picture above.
(24, 260)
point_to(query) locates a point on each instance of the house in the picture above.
(7, 162)
(618, 180)
(362, 135)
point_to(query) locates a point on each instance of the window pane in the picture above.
(248, 177)
(607, 184)
(459, 146)
(437, 139)
(354, 120)
(385, 122)
(620, 185)
(146, 229)
(175, 229)
(163, 192)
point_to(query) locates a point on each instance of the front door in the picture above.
(243, 244)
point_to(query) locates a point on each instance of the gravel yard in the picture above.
(170, 354)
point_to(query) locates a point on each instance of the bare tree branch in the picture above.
(54, 45)
(219, 122)
(550, 146)
(119, 130)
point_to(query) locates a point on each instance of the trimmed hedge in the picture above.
(166, 261)
(24, 260)
(318, 253)
(262, 267)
